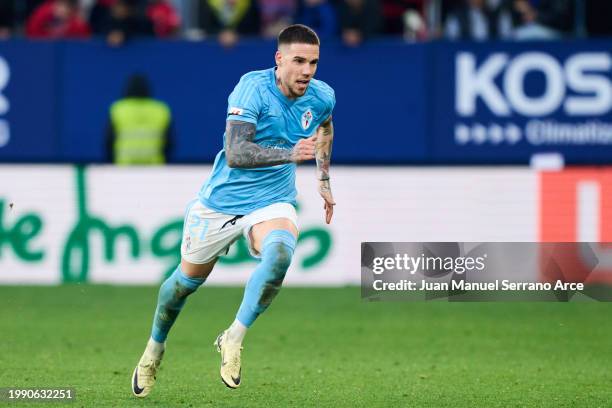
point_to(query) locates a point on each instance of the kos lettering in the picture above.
(586, 75)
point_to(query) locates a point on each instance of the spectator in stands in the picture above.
(598, 15)
(24, 9)
(120, 20)
(228, 19)
(166, 21)
(359, 19)
(415, 28)
(186, 10)
(99, 16)
(275, 16)
(319, 15)
(393, 12)
(477, 20)
(7, 19)
(57, 19)
(542, 19)
(139, 132)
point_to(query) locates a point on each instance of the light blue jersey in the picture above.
(281, 123)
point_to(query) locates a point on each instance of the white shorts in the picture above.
(208, 234)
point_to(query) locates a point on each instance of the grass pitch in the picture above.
(314, 347)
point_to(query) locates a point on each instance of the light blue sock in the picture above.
(172, 295)
(266, 280)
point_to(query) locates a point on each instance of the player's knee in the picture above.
(281, 255)
(177, 287)
(277, 254)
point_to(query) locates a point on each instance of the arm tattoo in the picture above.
(242, 152)
(323, 148)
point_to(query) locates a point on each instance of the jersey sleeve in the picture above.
(330, 102)
(244, 103)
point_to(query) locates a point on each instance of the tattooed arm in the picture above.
(323, 148)
(242, 152)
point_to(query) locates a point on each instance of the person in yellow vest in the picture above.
(140, 126)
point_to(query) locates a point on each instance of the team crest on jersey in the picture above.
(306, 119)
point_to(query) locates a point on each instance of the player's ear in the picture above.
(278, 57)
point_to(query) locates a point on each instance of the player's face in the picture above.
(297, 64)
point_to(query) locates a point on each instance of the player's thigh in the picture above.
(206, 236)
(197, 270)
(260, 231)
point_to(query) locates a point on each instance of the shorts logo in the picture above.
(235, 111)
(306, 119)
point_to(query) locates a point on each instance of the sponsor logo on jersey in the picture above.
(235, 111)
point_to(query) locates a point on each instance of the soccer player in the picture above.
(276, 118)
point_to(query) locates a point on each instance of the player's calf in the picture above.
(266, 280)
(172, 296)
(260, 290)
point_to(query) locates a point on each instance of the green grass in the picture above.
(314, 347)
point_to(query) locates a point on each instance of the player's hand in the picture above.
(304, 150)
(325, 191)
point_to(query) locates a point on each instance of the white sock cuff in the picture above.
(236, 331)
(155, 346)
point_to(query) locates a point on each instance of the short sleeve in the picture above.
(244, 103)
(330, 103)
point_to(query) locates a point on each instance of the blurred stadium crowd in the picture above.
(354, 21)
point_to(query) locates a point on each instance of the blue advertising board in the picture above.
(195, 80)
(29, 112)
(503, 102)
(433, 103)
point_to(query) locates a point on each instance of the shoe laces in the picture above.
(150, 366)
(234, 351)
(236, 357)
